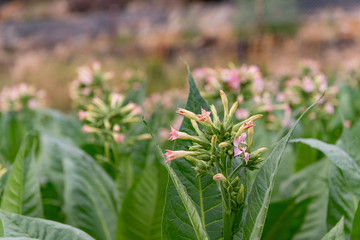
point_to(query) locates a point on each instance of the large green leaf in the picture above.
(310, 182)
(185, 189)
(285, 218)
(85, 190)
(337, 232)
(142, 210)
(340, 158)
(22, 190)
(355, 232)
(342, 202)
(20, 227)
(258, 200)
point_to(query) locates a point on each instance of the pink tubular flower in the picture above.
(204, 116)
(248, 125)
(176, 134)
(116, 128)
(237, 144)
(171, 155)
(119, 137)
(242, 113)
(329, 108)
(219, 177)
(307, 84)
(82, 115)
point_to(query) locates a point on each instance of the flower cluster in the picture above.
(21, 96)
(109, 118)
(217, 144)
(245, 81)
(90, 82)
(303, 90)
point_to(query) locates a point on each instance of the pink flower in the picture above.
(347, 123)
(204, 116)
(85, 128)
(178, 135)
(116, 128)
(171, 155)
(241, 150)
(329, 108)
(242, 113)
(174, 134)
(86, 91)
(248, 125)
(307, 84)
(280, 97)
(82, 115)
(237, 144)
(119, 137)
(219, 177)
(32, 103)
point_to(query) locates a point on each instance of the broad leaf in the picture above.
(86, 191)
(285, 218)
(337, 232)
(22, 190)
(186, 190)
(310, 182)
(355, 232)
(20, 227)
(341, 159)
(258, 200)
(342, 202)
(142, 210)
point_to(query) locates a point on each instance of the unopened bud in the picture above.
(224, 144)
(224, 102)
(240, 198)
(187, 114)
(250, 137)
(219, 177)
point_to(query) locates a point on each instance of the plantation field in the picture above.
(239, 155)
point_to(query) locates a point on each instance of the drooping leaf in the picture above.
(355, 232)
(258, 200)
(190, 212)
(141, 213)
(16, 226)
(310, 182)
(285, 218)
(22, 190)
(186, 188)
(337, 232)
(85, 190)
(340, 158)
(342, 202)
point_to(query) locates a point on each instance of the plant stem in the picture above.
(226, 222)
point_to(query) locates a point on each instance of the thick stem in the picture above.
(227, 223)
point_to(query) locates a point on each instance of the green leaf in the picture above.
(355, 233)
(21, 227)
(186, 190)
(340, 158)
(22, 190)
(337, 232)
(87, 193)
(310, 182)
(141, 213)
(342, 201)
(258, 200)
(285, 218)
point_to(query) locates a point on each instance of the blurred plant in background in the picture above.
(91, 82)
(21, 96)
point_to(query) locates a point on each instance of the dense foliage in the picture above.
(103, 174)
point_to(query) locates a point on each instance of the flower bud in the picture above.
(224, 102)
(187, 114)
(219, 177)
(250, 137)
(224, 144)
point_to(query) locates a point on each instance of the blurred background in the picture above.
(43, 42)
